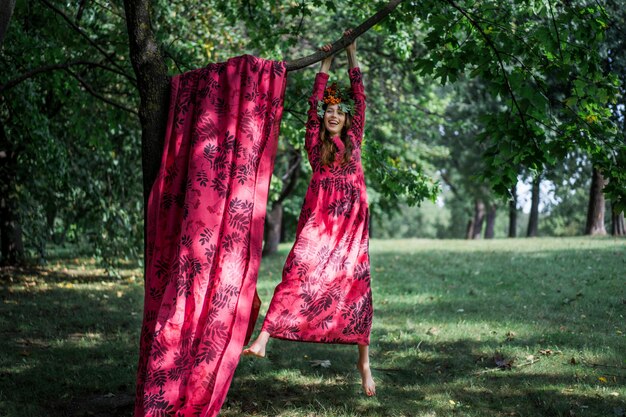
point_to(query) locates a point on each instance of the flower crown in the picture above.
(334, 95)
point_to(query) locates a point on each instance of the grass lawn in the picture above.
(550, 311)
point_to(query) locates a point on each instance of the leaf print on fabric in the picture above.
(181, 370)
(362, 272)
(205, 130)
(215, 337)
(230, 241)
(206, 236)
(284, 324)
(171, 172)
(341, 206)
(202, 178)
(209, 252)
(209, 153)
(359, 316)
(200, 256)
(157, 406)
(326, 277)
(157, 379)
(219, 184)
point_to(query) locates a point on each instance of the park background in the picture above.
(487, 123)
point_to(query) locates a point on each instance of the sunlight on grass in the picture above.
(553, 309)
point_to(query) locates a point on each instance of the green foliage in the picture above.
(78, 178)
(480, 92)
(546, 65)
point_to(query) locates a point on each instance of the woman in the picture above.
(325, 293)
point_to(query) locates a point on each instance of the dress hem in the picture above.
(318, 341)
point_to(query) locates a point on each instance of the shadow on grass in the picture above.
(448, 379)
(440, 315)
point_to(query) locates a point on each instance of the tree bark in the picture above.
(513, 212)
(469, 229)
(6, 11)
(479, 218)
(533, 221)
(618, 226)
(11, 244)
(595, 209)
(344, 41)
(273, 225)
(274, 219)
(491, 221)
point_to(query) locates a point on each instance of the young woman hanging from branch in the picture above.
(325, 293)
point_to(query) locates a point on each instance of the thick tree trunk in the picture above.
(153, 85)
(513, 212)
(273, 227)
(618, 227)
(595, 209)
(491, 221)
(533, 220)
(479, 218)
(11, 245)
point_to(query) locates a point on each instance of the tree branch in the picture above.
(495, 50)
(94, 93)
(53, 67)
(344, 41)
(73, 25)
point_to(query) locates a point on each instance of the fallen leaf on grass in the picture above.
(324, 363)
(502, 362)
(602, 379)
(548, 352)
(433, 331)
(510, 336)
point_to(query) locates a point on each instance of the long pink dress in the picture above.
(325, 293)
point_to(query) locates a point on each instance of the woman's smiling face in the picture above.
(334, 119)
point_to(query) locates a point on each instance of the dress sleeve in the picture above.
(313, 121)
(358, 114)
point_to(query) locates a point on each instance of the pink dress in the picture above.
(325, 293)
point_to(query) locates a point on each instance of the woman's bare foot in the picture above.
(363, 365)
(257, 348)
(369, 386)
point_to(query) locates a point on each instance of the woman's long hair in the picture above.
(329, 149)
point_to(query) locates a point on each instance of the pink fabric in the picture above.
(325, 293)
(204, 234)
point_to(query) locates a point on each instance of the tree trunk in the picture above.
(11, 245)
(273, 234)
(273, 226)
(6, 11)
(618, 227)
(469, 230)
(513, 212)
(491, 221)
(479, 218)
(595, 209)
(533, 221)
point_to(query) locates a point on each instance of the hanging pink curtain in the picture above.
(204, 234)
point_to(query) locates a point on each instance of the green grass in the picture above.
(443, 309)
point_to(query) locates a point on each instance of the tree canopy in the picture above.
(477, 93)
